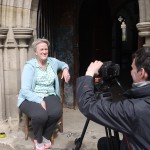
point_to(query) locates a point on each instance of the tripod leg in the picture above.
(108, 138)
(84, 129)
(116, 134)
(78, 142)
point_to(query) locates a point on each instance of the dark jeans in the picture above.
(43, 121)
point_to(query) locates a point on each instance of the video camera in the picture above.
(109, 70)
(108, 73)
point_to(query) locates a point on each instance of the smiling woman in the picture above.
(39, 96)
(41, 52)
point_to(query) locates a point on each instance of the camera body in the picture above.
(108, 73)
(109, 70)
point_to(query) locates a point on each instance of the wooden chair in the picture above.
(59, 126)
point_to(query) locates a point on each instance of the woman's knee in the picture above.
(54, 106)
(57, 113)
(40, 118)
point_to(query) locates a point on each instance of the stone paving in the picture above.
(74, 122)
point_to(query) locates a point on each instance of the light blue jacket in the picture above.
(29, 76)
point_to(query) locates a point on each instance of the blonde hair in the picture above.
(38, 41)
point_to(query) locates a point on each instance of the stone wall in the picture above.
(17, 31)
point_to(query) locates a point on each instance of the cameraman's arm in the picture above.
(114, 115)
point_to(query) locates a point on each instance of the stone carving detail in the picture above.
(144, 31)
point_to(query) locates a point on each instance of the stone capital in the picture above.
(3, 33)
(23, 33)
(144, 29)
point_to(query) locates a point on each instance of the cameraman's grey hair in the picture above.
(38, 41)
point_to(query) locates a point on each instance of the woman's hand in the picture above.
(66, 75)
(43, 104)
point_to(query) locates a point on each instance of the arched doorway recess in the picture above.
(100, 33)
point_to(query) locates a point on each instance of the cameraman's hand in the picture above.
(93, 68)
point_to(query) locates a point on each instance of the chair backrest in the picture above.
(61, 84)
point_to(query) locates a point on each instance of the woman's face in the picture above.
(41, 52)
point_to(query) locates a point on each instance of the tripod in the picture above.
(78, 141)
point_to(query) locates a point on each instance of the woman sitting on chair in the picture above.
(39, 97)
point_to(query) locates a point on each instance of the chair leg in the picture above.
(52, 139)
(26, 128)
(61, 125)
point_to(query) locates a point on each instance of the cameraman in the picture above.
(130, 116)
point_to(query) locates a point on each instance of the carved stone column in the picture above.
(11, 75)
(144, 31)
(144, 25)
(15, 54)
(3, 33)
(23, 36)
